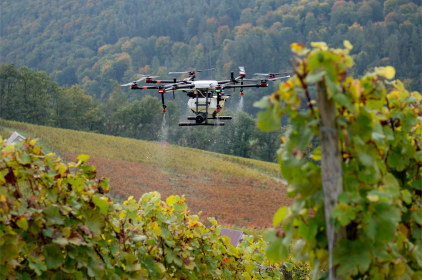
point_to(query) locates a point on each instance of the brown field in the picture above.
(233, 200)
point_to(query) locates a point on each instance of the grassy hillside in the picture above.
(118, 148)
(236, 190)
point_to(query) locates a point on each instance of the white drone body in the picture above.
(212, 106)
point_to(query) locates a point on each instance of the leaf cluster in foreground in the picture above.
(57, 223)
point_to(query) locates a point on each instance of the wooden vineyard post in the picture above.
(331, 170)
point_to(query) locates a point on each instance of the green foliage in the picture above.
(4, 134)
(56, 222)
(379, 126)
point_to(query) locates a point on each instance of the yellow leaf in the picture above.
(247, 276)
(355, 89)
(283, 139)
(372, 198)
(399, 269)
(390, 72)
(249, 267)
(321, 45)
(297, 46)
(62, 168)
(417, 95)
(130, 198)
(160, 267)
(156, 230)
(317, 154)
(33, 142)
(347, 45)
(37, 149)
(83, 158)
(170, 200)
(22, 223)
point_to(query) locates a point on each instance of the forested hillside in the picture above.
(97, 44)
(94, 43)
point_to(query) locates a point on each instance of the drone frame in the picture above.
(202, 118)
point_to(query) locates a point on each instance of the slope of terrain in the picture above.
(237, 191)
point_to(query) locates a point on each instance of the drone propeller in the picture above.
(205, 70)
(128, 84)
(242, 70)
(178, 73)
(187, 72)
(272, 79)
(138, 80)
(146, 77)
(270, 74)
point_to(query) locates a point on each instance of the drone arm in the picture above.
(144, 87)
(252, 80)
(243, 86)
(163, 82)
(184, 86)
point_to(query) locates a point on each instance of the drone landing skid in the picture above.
(205, 123)
(192, 124)
(219, 118)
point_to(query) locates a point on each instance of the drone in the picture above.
(206, 97)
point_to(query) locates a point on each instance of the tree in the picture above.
(9, 77)
(365, 13)
(245, 127)
(390, 5)
(310, 23)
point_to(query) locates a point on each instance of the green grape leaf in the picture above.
(53, 256)
(264, 103)
(344, 213)
(268, 121)
(344, 101)
(314, 77)
(276, 251)
(279, 216)
(289, 266)
(101, 204)
(352, 257)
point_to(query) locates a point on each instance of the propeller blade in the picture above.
(148, 76)
(242, 69)
(272, 79)
(141, 79)
(269, 74)
(125, 85)
(178, 73)
(204, 70)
